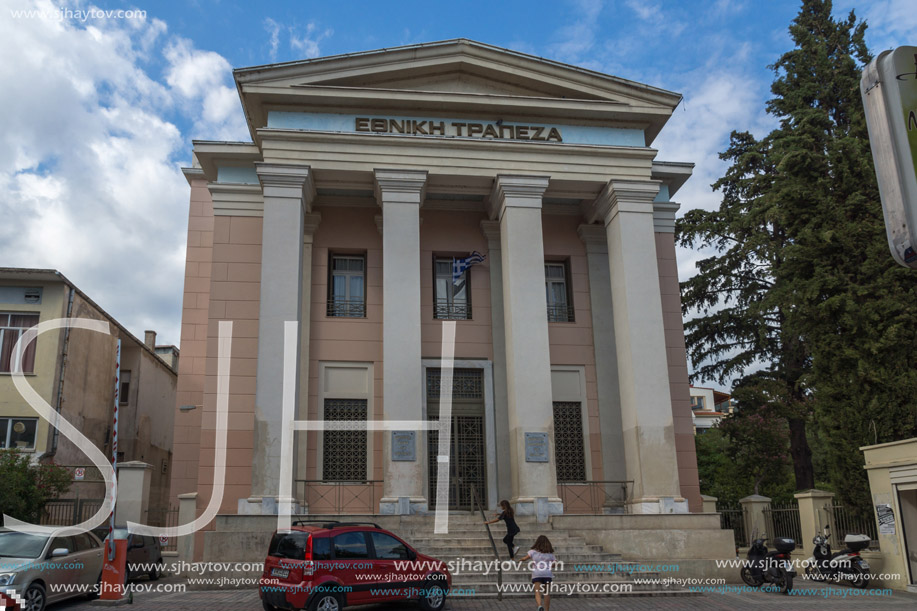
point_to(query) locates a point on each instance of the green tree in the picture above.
(27, 487)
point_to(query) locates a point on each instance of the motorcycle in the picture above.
(774, 567)
(846, 565)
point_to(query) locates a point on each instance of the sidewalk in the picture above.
(247, 600)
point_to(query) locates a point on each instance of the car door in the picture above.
(89, 557)
(392, 568)
(58, 577)
(352, 565)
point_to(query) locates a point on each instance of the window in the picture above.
(697, 403)
(344, 452)
(388, 547)
(451, 300)
(289, 545)
(346, 286)
(350, 545)
(12, 326)
(560, 304)
(124, 392)
(569, 449)
(18, 433)
(321, 548)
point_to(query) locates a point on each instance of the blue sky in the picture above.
(99, 113)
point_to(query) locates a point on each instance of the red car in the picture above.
(328, 565)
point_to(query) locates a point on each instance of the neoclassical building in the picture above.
(367, 177)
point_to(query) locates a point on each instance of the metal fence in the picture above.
(847, 522)
(67, 512)
(783, 521)
(167, 518)
(732, 517)
(326, 497)
(594, 497)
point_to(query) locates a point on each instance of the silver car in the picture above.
(45, 568)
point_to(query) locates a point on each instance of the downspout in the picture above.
(63, 369)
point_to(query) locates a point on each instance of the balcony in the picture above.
(444, 309)
(346, 308)
(560, 313)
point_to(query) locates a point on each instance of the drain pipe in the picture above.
(63, 369)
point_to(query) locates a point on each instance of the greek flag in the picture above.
(460, 265)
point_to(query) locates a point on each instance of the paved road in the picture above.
(821, 597)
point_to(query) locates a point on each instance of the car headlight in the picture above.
(6, 578)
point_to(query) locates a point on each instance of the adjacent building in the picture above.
(708, 406)
(74, 372)
(368, 179)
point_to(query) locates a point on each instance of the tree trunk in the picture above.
(802, 454)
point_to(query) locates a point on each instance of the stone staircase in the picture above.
(467, 549)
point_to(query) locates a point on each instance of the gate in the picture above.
(67, 512)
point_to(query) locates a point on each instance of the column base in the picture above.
(403, 505)
(542, 507)
(269, 506)
(658, 504)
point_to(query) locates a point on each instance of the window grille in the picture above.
(451, 300)
(569, 450)
(466, 383)
(344, 452)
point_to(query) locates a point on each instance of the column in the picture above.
(753, 508)
(814, 514)
(516, 203)
(400, 193)
(643, 378)
(288, 194)
(606, 357)
(491, 230)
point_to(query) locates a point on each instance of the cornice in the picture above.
(236, 199)
(491, 231)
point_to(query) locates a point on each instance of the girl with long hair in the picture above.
(542, 557)
(512, 529)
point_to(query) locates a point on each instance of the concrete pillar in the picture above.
(643, 376)
(491, 230)
(133, 501)
(288, 195)
(756, 526)
(400, 193)
(606, 356)
(516, 203)
(709, 503)
(187, 512)
(814, 513)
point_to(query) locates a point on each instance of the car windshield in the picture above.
(21, 545)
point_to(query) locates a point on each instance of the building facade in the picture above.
(708, 406)
(74, 372)
(367, 177)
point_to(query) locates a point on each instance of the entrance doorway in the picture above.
(907, 501)
(467, 463)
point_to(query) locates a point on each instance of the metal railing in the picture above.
(560, 313)
(783, 521)
(444, 309)
(493, 544)
(346, 308)
(67, 512)
(357, 497)
(732, 517)
(846, 522)
(594, 496)
(167, 518)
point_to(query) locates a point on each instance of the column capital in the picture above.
(664, 216)
(516, 191)
(400, 186)
(594, 237)
(310, 224)
(491, 231)
(288, 181)
(624, 196)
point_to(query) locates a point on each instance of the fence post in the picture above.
(187, 512)
(812, 514)
(709, 503)
(755, 521)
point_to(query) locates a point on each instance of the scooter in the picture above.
(846, 565)
(775, 567)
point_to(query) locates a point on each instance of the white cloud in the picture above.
(307, 44)
(273, 28)
(645, 9)
(578, 38)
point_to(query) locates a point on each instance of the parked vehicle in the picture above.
(774, 567)
(30, 563)
(328, 565)
(846, 565)
(144, 554)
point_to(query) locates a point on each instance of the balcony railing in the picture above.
(443, 309)
(560, 313)
(346, 308)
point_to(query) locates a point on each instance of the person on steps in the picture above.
(512, 529)
(542, 557)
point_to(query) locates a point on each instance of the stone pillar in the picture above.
(756, 526)
(288, 194)
(606, 356)
(491, 230)
(187, 512)
(133, 500)
(400, 193)
(814, 513)
(643, 376)
(516, 203)
(709, 503)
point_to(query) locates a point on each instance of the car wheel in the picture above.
(433, 597)
(34, 598)
(326, 601)
(156, 571)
